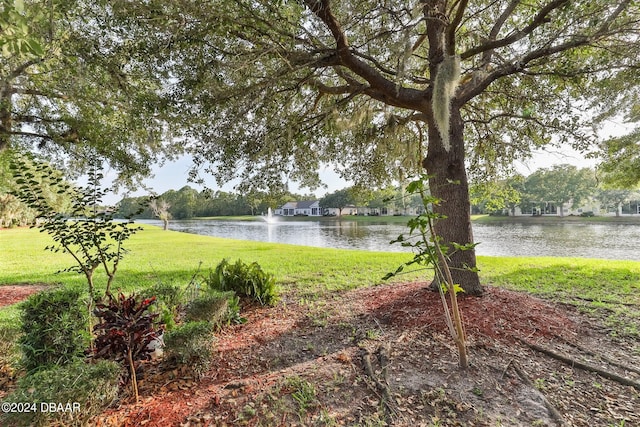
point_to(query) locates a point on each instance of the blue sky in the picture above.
(174, 175)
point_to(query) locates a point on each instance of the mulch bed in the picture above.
(12, 294)
(324, 342)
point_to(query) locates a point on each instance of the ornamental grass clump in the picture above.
(191, 345)
(219, 308)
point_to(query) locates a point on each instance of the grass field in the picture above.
(156, 255)
(172, 257)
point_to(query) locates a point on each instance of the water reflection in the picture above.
(590, 240)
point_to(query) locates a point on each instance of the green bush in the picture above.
(191, 345)
(169, 299)
(233, 310)
(9, 350)
(84, 390)
(245, 280)
(169, 295)
(218, 308)
(54, 326)
(212, 307)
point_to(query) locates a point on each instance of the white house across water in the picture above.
(301, 208)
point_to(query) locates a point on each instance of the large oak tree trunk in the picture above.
(448, 182)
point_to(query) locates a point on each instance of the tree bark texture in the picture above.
(448, 182)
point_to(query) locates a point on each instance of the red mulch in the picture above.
(499, 314)
(11, 294)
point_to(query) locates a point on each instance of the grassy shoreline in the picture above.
(552, 219)
(173, 257)
(157, 255)
(481, 219)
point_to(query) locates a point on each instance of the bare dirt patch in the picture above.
(302, 364)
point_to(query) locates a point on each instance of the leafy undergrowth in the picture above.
(301, 363)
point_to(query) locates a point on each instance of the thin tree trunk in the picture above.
(448, 182)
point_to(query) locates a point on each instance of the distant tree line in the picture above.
(558, 186)
(188, 202)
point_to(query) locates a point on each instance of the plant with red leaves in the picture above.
(125, 331)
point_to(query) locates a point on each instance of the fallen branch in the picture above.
(584, 366)
(382, 384)
(557, 417)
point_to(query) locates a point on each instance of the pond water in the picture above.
(567, 239)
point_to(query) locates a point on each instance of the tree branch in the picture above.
(540, 19)
(470, 91)
(495, 30)
(21, 91)
(34, 119)
(381, 89)
(322, 10)
(29, 134)
(330, 90)
(451, 29)
(17, 72)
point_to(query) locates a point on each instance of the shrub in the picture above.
(169, 295)
(91, 387)
(233, 311)
(54, 326)
(211, 307)
(169, 299)
(219, 308)
(9, 350)
(245, 280)
(125, 332)
(191, 344)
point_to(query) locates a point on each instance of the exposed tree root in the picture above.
(576, 363)
(381, 381)
(628, 304)
(552, 409)
(606, 359)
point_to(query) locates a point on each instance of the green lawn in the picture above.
(170, 256)
(173, 257)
